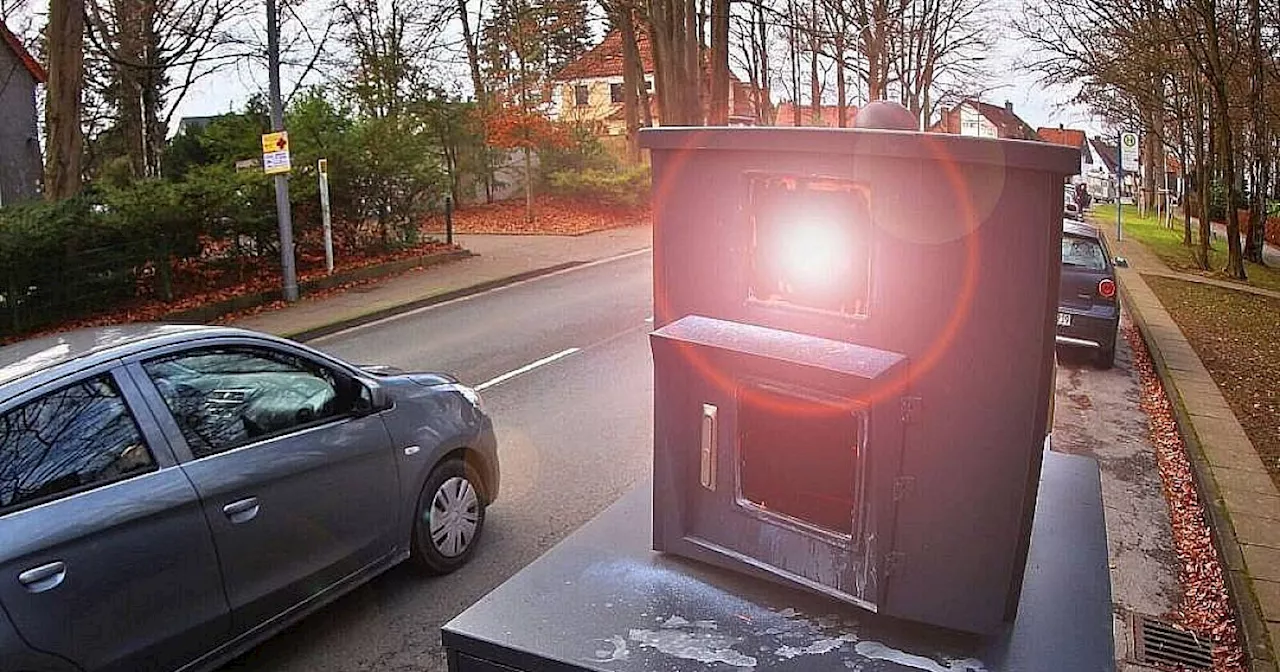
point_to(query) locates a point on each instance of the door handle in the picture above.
(242, 511)
(44, 577)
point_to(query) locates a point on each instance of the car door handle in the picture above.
(242, 511)
(44, 577)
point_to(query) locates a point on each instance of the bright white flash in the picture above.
(813, 252)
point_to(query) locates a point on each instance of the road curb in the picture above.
(1249, 622)
(312, 333)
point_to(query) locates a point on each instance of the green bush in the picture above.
(583, 152)
(629, 186)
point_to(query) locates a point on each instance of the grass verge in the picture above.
(1233, 333)
(1167, 244)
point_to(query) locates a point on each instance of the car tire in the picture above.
(449, 518)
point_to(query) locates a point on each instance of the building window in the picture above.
(615, 93)
(580, 95)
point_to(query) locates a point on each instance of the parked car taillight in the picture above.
(1107, 288)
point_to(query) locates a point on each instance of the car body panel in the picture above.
(294, 540)
(298, 539)
(19, 656)
(335, 506)
(456, 425)
(138, 541)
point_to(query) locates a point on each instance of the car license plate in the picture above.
(1064, 319)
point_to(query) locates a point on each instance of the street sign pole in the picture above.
(283, 214)
(325, 217)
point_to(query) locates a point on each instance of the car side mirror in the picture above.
(370, 397)
(1121, 262)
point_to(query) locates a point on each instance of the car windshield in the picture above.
(1078, 251)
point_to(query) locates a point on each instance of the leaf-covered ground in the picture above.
(552, 216)
(1234, 334)
(1205, 606)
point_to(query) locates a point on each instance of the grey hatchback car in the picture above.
(172, 495)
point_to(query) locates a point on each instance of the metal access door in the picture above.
(784, 449)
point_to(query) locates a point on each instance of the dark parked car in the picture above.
(1088, 307)
(170, 496)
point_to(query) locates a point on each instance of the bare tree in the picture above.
(942, 44)
(158, 50)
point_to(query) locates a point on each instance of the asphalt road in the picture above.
(574, 435)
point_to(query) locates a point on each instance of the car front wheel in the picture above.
(450, 518)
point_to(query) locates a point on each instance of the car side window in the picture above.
(222, 398)
(66, 441)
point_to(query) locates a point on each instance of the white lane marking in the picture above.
(525, 369)
(442, 304)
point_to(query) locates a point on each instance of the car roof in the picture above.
(1081, 229)
(61, 354)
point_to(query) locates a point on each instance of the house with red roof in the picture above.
(21, 168)
(828, 116)
(1074, 138)
(974, 117)
(589, 90)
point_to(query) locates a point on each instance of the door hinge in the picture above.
(894, 562)
(902, 487)
(910, 409)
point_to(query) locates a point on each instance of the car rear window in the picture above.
(1081, 252)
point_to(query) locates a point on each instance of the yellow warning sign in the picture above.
(275, 153)
(275, 142)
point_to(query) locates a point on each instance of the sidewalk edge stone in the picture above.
(1249, 621)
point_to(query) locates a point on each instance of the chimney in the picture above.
(1008, 105)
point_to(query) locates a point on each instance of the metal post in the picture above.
(448, 220)
(1119, 184)
(322, 168)
(283, 214)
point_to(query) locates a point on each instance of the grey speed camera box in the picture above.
(853, 359)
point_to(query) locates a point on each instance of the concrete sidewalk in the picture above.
(1242, 502)
(499, 260)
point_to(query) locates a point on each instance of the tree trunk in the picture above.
(765, 109)
(1151, 162)
(842, 93)
(719, 108)
(794, 43)
(528, 185)
(66, 77)
(815, 82)
(673, 33)
(1235, 259)
(1258, 203)
(631, 87)
(482, 100)
(694, 113)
